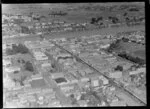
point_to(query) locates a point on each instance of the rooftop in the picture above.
(39, 83)
(60, 80)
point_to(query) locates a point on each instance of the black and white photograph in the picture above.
(89, 54)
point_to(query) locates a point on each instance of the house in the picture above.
(105, 46)
(38, 83)
(6, 62)
(41, 58)
(85, 79)
(142, 69)
(57, 75)
(105, 81)
(139, 70)
(67, 88)
(46, 65)
(39, 55)
(82, 72)
(12, 69)
(95, 83)
(63, 55)
(74, 81)
(82, 103)
(68, 28)
(117, 74)
(37, 76)
(88, 71)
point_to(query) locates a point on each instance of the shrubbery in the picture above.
(131, 58)
(119, 68)
(17, 49)
(28, 66)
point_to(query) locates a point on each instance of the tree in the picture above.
(93, 20)
(17, 49)
(82, 97)
(22, 80)
(125, 39)
(15, 72)
(133, 9)
(25, 29)
(100, 18)
(119, 68)
(9, 51)
(23, 61)
(28, 66)
(73, 99)
(125, 14)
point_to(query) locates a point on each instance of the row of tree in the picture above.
(116, 45)
(132, 58)
(96, 20)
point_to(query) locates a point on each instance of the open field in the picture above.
(134, 49)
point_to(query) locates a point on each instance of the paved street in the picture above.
(111, 81)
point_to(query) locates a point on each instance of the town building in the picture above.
(116, 74)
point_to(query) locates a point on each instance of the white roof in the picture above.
(12, 69)
(46, 64)
(85, 79)
(56, 75)
(41, 58)
(95, 83)
(6, 62)
(117, 74)
(143, 69)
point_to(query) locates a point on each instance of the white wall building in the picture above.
(116, 74)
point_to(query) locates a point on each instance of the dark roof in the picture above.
(60, 80)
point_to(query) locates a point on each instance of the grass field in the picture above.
(140, 53)
(136, 50)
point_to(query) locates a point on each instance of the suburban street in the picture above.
(111, 81)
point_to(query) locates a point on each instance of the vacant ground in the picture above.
(134, 49)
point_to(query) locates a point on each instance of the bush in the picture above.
(119, 68)
(25, 30)
(93, 20)
(17, 49)
(131, 58)
(28, 66)
(125, 39)
(114, 45)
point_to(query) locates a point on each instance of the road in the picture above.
(111, 80)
